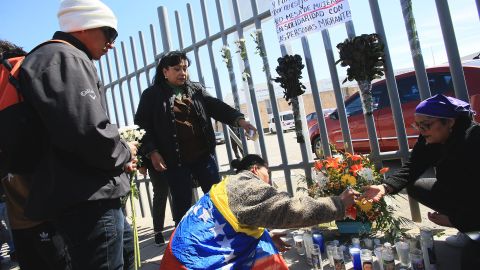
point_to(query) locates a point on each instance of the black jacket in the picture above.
(457, 165)
(155, 115)
(82, 156)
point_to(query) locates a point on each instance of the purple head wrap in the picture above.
(443, 107)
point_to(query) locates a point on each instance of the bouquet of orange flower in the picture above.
(331, 176)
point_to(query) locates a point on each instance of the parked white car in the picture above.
(286, 120)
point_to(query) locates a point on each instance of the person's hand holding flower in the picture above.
(348, 197)
(374, 192)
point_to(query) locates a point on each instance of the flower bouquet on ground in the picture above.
(331, 176)
(133, 134)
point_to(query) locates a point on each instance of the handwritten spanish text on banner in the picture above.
(297, 18)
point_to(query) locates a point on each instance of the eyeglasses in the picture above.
(110, 34)
(423, 126)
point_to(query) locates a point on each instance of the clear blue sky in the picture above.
(35, 21)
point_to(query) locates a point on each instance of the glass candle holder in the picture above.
(338, 259)
(318, 239)
(329, 248)
(378, 254)
(368, 242)
(298, 243)
(416, 257)
(403, 250)
(388, 260)
(367, 259)
(356, 242)
(316, 255)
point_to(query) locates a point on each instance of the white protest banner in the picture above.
(297, 18)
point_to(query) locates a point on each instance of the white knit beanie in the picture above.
(77, 15)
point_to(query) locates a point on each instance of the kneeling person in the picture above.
(226, 227)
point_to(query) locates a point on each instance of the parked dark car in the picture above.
(440, 81)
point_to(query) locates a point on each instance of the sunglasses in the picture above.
(423, 126)
(110, 34)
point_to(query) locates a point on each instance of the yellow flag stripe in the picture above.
(218, 194)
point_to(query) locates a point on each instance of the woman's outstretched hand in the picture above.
(375, 192)
(348, 197)
(246, 126)
(439, 219)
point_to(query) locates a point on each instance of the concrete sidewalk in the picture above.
(448, 257)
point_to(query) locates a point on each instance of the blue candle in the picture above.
(318, 239)
(357, 262)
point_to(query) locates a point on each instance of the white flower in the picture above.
(127, 128)
(319, 178)
(131, 133)
(338, 157)
(367, 174)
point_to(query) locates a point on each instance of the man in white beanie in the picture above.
(80, 174)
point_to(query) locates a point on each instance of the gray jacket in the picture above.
(256, 203)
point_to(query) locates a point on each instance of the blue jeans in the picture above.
(205, 171)
(4, 217)
(97, 235)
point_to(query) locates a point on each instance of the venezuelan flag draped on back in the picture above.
(210, 237)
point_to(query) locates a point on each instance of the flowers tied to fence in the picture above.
(365, 59)
(242, 50)
(289, 72)
(132, 134)
(257, 37)
(226, 56)
(332, 175)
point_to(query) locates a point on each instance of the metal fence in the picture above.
(124, 90)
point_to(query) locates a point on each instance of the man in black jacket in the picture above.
(80, 175)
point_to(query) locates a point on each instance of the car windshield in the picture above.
(311, 116)
(287, 117)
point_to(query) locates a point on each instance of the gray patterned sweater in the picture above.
(255, 203)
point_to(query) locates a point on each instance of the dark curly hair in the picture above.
(247, 162)
(167, 60)
(462, 123)
(8, 49)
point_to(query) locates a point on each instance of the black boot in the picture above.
(159, 240)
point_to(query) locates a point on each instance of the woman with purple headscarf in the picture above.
(449, 141)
